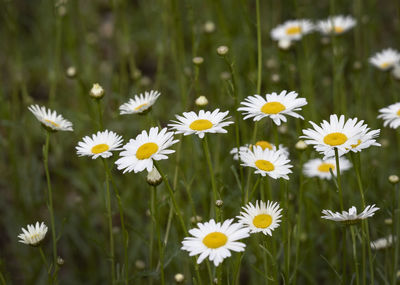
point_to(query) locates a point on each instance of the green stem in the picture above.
(98, 103)
(45, 262)
(338, 178)
(259, 48)
(353, 239)
(154, 212)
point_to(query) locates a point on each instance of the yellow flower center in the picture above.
(200, 125)
(264, 144)
(398, 112)
(262, 221)
(52, 123)
(338, 30)
(385, 64)
(215, 240)
(100, 148)
(264, 165)
(146, 150)
(140, 106)
(335, 139)
(324, 167)
(272, 108)
(356, 144)
(293, 30)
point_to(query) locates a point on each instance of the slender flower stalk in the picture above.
(259, 48)
(353, 239)
(339, 182)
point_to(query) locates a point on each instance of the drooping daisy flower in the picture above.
(215, 240)
(336, 25)
(274, 106)
(140, 103)
(140, 152)
(292, 30)
(199, 124)
(391, 115)
(366, 139)
(351, 216)
(262, 144)
(385, 59)
(100, 144)
(382, 243)
(334, 134)
(262, 217)
(34, 234)
(49, 119)
(320, 168)
(273, 163)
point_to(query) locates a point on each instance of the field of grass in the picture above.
(110, 227)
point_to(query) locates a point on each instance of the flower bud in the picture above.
(394, 179)
(71, 72)
(219, 203)
(154, 178)
(284, 44)
(222, 50)
(140, 264)
(198, 60)
(201, 101)
(301, 145)
(179, 277)
(60, 261)
(97, 91)
(209, 27)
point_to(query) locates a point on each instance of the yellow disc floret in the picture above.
(264, 165)
(335, 139)
(215, 240)
(100, 148)
(262, 221)
(146, 150)
(200, 125)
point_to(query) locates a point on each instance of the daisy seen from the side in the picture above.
(33, 234)
(201, 123)
(391, 115)
(336, 25)
(140, 103)
(263, 144)
(215, 240)
(138, 154)
(292, 30)
(261, 217)
(385, 59)
(350, 217)
(273, 105)
(273, 163)
(50, 119)
(321, 168)
(382, 243)
(366, 139)
(100, 144)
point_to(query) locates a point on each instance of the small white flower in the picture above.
(391, 115)
(140, 103)
(140, 152)
(262, 144)
(350, 217)
(385, 59)
(336, 25)
(382, 243)
(396, 71)
(50, 119)
(274, 106)
(100, 144)
(34, 234)
(292, 30)
(366, 139)
(320, 168)
(199, 124)
(215, 240)
(97, 91)
(263, 217)
(273, 163)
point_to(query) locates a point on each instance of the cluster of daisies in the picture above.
(294, 30)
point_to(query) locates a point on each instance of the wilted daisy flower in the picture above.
(139, 103)
(49, 119)
(262, 144)
(100, 144)
(334, 134)
(391, 115)
(351, 216)
(292, 30)
(199, 124)
(382, 243)
(215, 240)
(34, 234)
(320, 168)
(140, 152)
(273, 163)
(336, 25)
(366, 139)
(261, 217)
(385, 59)
(274, 106)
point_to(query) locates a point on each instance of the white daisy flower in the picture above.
(100, 144)
(140, 103)
(263, 217)
(334, 134)
(274, 106)
(320, 168)
(382, 243)
(391, 115)
(273, 163)
(140, 152)
(385, 59)
(336, 25)
(49, 119)
(215, 240)
(34, 234)
(351, 216)
(366, 139)
(199, 124)
(292, 30)
(262, 144)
